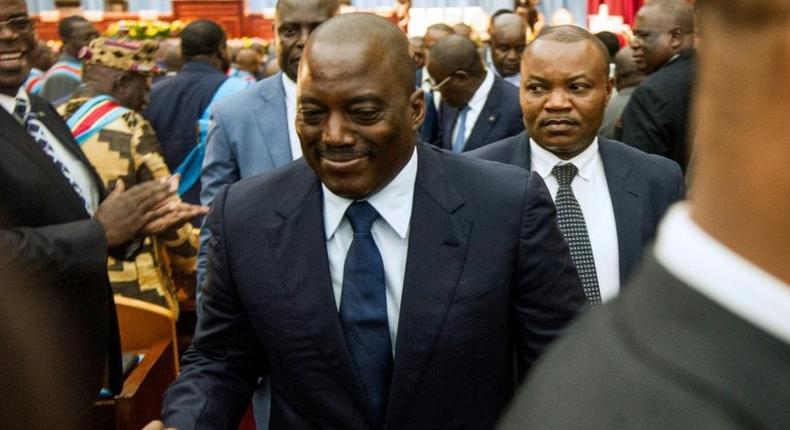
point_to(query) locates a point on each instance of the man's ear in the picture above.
(676, 40)
(121, 82)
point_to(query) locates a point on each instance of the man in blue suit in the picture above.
(323, 274)
(620, 193)
(477, 107)
(253, 131)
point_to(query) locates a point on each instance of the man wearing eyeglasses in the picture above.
(655, 119)
(55, 222)
(477, 107)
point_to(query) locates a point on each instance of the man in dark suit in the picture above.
(178, 102)
(621, 192)
(54, 220)
(477, 107)
(381, 285)
(656, 118)
(701, 340)
(430, 129)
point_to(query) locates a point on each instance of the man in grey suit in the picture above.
(253, 131)
(620, 192)
(701, 340)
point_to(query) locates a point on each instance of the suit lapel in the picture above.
(447, 115)
(300, 251)
(626, 203)
(16, 135)
(438, 238)
(61, 132)
(487, 118)
(268, 118)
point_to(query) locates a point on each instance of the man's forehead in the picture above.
(545, 55)
(13, 7)
(652, 18)
(303, 11)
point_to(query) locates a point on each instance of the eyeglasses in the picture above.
(438, 87)
(18, 25)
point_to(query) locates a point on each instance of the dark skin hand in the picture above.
(148, 208)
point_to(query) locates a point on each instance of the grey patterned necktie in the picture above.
(574, 230)
(35, 128)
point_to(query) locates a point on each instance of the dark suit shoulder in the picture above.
(658, 171)
(502, 151)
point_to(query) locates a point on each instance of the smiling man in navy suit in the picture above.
(382, 283)
(614, 195)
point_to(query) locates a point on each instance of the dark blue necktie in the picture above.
(363, 309)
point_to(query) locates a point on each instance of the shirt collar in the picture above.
(544, 160)
(480, 96)
(9, 103)
(393, 202)
(289, 86)
(719, 273)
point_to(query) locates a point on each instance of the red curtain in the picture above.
(626, 8)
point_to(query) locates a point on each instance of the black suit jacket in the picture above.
(46, 230)
(662, 356)
(641, 186)
(500, 118)
(656, 118)
(487, 273)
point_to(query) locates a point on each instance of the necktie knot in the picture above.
(361, 215)
(564, 173)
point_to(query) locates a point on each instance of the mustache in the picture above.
(345, 153)
(558, 120)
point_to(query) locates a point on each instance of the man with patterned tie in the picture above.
(55, 221)
(382, 283)
(609, 196)
(477, 107)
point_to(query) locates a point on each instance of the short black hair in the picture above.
(202, 37)
(573, 34)
(456, 52)
(611, 42)
(66, 26)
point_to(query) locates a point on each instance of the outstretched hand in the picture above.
(124, 213)
(174, 214)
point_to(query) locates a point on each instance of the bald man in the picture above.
(627, 77)
(393, 285)
(508, 41)
(477, 107)
(656, 118)
(702, 338)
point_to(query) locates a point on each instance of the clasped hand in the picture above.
(151, 207)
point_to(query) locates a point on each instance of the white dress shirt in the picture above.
(290, 110)
(709, 267)
(592, 192)
(79, 172)
(475, 104)
(390, 232)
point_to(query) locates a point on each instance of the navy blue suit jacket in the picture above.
(176, 105)
(641, 186)
(500, 118)
(487, 274)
